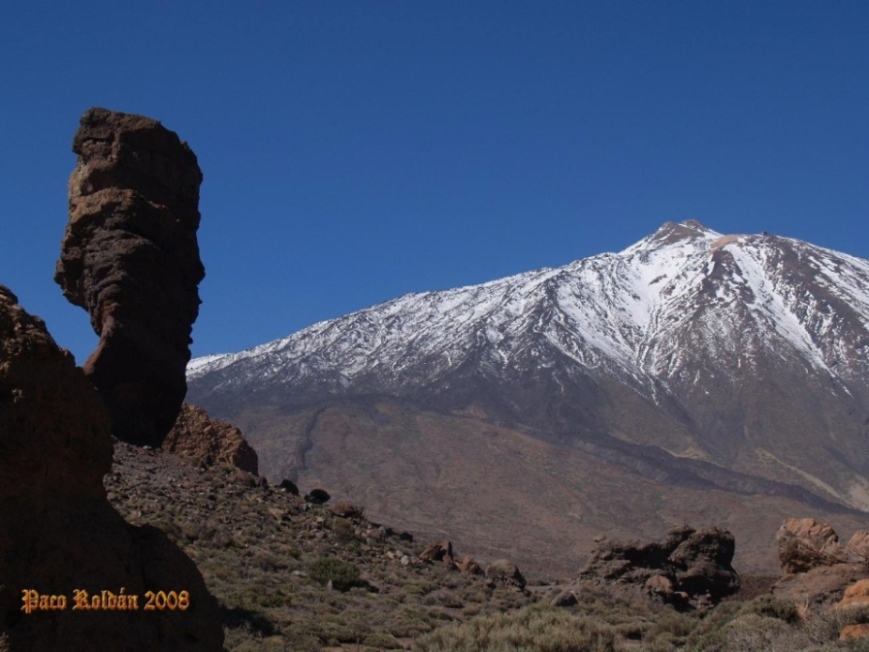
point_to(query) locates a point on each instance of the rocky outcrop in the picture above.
(856, 596)
(130, 258)
(211, 441)
(318, 497)
(345, 510)
(816, 568)
(289, 486)
(469, 566)
(59, 534)
(804, 544)
(442, 552)
(690, 568)
(506, 572)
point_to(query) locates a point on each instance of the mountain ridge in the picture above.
(741, 358)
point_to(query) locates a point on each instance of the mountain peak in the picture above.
(670, 232)
(687, 232)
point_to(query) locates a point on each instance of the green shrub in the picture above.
(345, 532)
(771, 607)
(342, 574)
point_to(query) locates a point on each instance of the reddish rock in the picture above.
(660, 585)
(437, 551)
(58, 533)
(130, 258)
(199, 436)
(858, 545)
(345, 510)
(854, 632)
(856, 594)
(804, 544)
(469, 566)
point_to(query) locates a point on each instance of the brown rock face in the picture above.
(688, 568)
(58, 533)
(130, 258)
(198, 436)
(817, 568)
(804, 544)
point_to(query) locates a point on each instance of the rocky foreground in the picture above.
(296, 575)
(291, 574)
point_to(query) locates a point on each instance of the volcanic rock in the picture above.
(212, 441)
(804, 544)
(318, 497)
(856, 594)
(691, 563)
(469, 566)
(505, 571)
(345, 510)
(858, 545)
(817, 568)
(130, 258)
(58, 533)
(289, 486)
(437, 552)
(819, 587)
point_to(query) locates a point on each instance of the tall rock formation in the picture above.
(130, 258)
(58, 532)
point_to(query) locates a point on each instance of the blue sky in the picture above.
(356, 151)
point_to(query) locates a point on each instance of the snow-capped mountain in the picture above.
(734, 360)
(624, 314)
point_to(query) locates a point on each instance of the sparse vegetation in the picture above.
(341, 575)
(270, 559)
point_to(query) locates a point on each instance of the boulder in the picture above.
(438, 552)
(58, 532)
(858, 545)
(469, 566)
(289, 486)
(804, 544)
(506, 572)
(129, 256)
(211, 441)
(856, 594)
(318, 497)
(688, 569)
(345, 510)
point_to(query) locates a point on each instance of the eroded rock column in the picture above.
(130, 258)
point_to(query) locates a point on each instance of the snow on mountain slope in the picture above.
(637, 316)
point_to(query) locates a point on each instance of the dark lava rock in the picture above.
(130, 258)
(318, 497)
(689, 568)
(289, 486)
